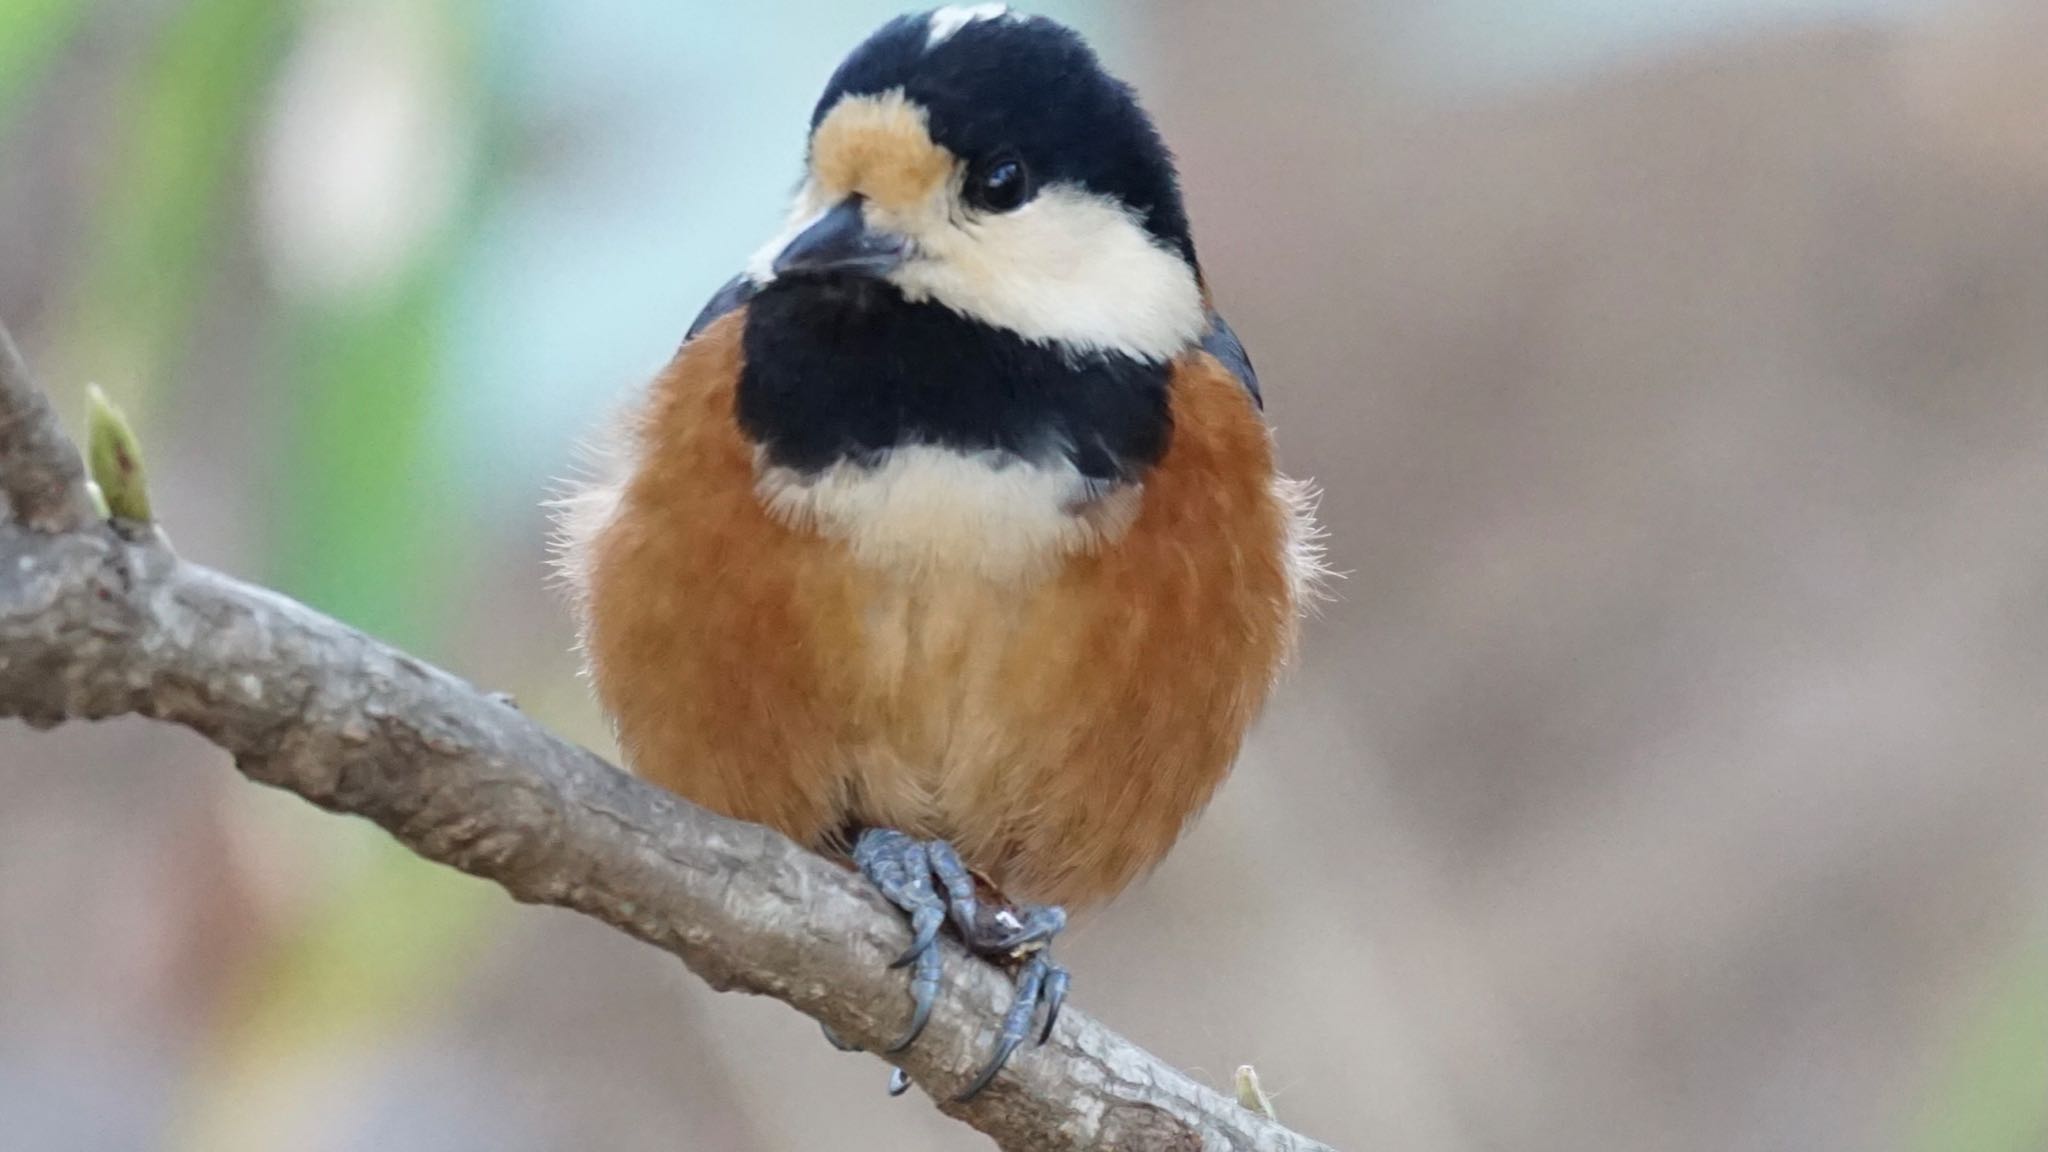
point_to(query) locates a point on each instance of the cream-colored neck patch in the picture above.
(929, 508)
(1070, 267)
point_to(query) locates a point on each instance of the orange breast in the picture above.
(1060, 730)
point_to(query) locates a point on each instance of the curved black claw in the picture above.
(912, 875)
(901, 869)
(925, 923)
(924, 992)
(1056, 982)
(1038, 981)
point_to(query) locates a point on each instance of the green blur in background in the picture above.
(445, 236)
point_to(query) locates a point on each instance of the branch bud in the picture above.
(115, 460)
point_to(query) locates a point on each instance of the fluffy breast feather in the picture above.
(986, 514)
(1060, 727)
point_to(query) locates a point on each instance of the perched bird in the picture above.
(951, 539)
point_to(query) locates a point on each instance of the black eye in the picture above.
(1003, 186)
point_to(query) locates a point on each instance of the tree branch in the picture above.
(95, 625)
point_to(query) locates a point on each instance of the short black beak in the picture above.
(841, 244)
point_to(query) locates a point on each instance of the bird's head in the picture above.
(985, 161)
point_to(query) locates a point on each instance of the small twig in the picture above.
(41, 477)
(95, 624)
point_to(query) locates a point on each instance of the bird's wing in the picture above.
(737, 291)
(1219, 341)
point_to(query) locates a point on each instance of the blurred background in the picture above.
(1668, 774)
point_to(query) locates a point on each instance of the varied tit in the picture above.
(951, 541)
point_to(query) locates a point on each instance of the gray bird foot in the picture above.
(912, 875)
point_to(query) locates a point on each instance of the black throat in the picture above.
(846, 369)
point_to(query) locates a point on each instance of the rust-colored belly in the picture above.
(1060, 728)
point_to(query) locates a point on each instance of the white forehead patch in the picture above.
(946, 21)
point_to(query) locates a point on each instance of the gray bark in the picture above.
(97, 621)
